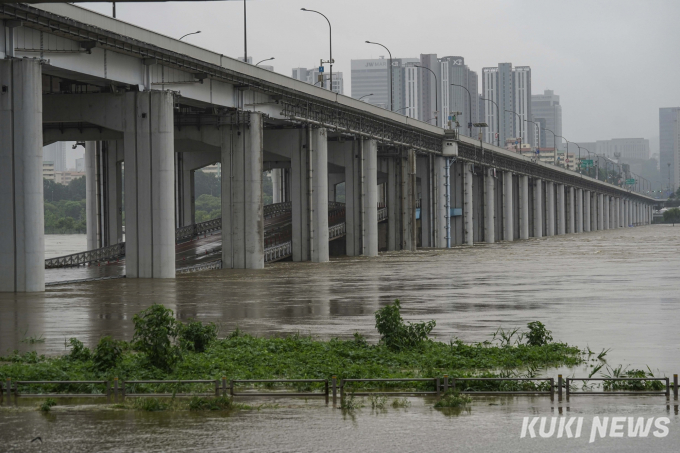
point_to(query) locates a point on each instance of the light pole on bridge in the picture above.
(330, 40)
(469, 107)
(391, 80)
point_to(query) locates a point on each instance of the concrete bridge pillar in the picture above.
(600, 211)
(22, 239)
(605, 211)
(424, 174)
(508, 221)
(489, 206)
(401, 201)
(277, 185)
(587, 211)
(394, 206)
(113, 192)
(242, 207)
(467, 204)
(300, 193)
(523, 207)
(361, 197)
(561, 210)
(626, 218)
(92, 195)
(579, 211)
(320, 252)
(538, 208)
(439, 194)
(550, 203)
(571, 222)
(149, 185)
(187, 195)
(620, 212)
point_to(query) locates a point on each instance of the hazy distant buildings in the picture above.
(48, 170)
(668, 146)
(371, 81)
(623, 149)
(510, 89)
(80, 164)
(311, 76)
(547, 111)
(56, 153)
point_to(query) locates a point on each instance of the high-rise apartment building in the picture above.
(668, 152)
(623, 149)
(547, 107)
(371, 81)
(462, 97)
(510, 89)
(56, 153)
(311, 76)
(675, 165)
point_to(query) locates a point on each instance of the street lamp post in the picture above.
(364, 96)
(391, 81)
(498, 124)
(469, 108)
(539, 128)
(554, 145)
(436, 92)
(266, 59)
(520, 129)
(566, 153)
(330, 40)
(192, 33)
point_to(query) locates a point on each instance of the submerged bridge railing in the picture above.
(109, 253)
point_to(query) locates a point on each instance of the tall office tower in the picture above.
(668, 153)
(511, 90)
(455, 98)
(311, 76)
(430, 98)
(56, 153)
(481, 112)
(547, 106)
(371, 81)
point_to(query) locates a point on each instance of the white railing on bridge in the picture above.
(278, 252)
(91, 256)
(274, 209)
(336, 231)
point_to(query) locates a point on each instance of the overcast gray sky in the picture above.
(613, 62)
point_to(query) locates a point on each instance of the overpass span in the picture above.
(152, 110)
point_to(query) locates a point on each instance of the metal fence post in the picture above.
(224, 386)
(342, 389)
(552, 389)
(334, 384)
(438, 388)
(446, 383)
(217, 388)
(559, 386)
(326, 390)
(231, 387)
(675, 386)
(567, 387)
(668, 388)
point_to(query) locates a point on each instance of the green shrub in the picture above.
(46, 406)
(453, 399)
(149, 404)
(220, 403)
(79, 353)
(156, 330)
(400, 402)
(538, 335)
(394, 333)
(195, 336)
(377, 401)
(107, 353)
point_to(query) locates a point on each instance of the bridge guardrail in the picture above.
(273, 209)
(103, 254)
(278, 252)
(336, 231)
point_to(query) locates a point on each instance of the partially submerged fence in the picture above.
(434, 387)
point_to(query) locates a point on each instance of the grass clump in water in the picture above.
(47, 405)
(400, 403)
(149, 404)
(350, 403)
(453, 399)
(219, 403)
(377, 401)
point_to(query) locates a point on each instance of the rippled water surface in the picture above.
(616, 289)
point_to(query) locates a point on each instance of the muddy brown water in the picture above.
(616, 289)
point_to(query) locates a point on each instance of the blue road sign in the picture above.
(320, 68)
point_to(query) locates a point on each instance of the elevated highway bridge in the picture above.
(152, 110)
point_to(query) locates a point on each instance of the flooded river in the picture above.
(616, 289)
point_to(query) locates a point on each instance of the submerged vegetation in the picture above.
(164, 348)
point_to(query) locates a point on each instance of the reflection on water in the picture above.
(617, 288)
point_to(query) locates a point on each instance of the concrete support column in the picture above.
(550, 207)
(394, 206)
(524, 207)
(561, 210)
(277, 186)
(188, 197)
(114, 192)
(579, 210)
(587, 211)
(92, 213)
(439, 194)
(621, 212)
(320, 253)
(605, 211)
(627, 213)
(508, 221)
(467, 204)
(370, 152)
(354, 197)
(22, 227)
(489, 207)
(425, 174)
(242, 207)
(408, 200)
(300, 193)
(149, 185)
(538, 208)
(571, 222)
(600, 211)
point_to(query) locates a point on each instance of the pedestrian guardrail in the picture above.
(535, 391)
(435, 382)
(18, 384)
(233, 383)
(109, 253)
(127, 388)
(666, 391)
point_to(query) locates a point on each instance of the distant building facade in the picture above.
(80, 164)
(669, 155)
(547, 110)
(48, 171)
(312, 76)
(56, 153)
(65, 177)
